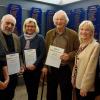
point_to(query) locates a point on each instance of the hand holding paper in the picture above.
(53, 57)
(30, 56)
(13, 63)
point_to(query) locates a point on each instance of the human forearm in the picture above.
(3, 84)
(6, 74)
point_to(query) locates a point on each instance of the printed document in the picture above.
(53, 57)
(30, 56)
(13, 63)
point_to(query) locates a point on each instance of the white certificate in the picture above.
(30, 56)
(53, 57)
(13, 63)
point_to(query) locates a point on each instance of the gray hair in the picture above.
(28, 20)
(63, 13)
(9, 16)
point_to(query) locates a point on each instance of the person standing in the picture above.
(84, 71)
(4, 75)
(65, 38)
(32, 40)
(97, 80)
(9, 42)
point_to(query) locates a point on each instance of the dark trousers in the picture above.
(90, 95)
(61, 76)
(97, 79)
(9, 92)
(32, 79)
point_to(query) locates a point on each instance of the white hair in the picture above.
(28, 20)
(7, 16)
(63, 13)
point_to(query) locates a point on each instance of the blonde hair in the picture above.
(90, 25)
(63, 13)
(28, 20)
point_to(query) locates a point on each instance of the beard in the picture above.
(5, 31)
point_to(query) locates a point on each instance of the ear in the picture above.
(0, 24)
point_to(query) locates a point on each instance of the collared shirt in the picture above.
(60, 40)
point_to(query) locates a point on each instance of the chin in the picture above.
(59, 27)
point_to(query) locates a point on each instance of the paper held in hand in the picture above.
(53, 57)
(13, 63)
(30, 56)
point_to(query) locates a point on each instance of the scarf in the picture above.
(29, 37)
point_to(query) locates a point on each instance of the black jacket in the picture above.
(97, 82)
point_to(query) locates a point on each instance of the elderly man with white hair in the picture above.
(65, 38)
(9, 43)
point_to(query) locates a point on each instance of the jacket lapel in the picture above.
(3, 41)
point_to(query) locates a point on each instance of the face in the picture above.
(60, 21)
(85, 32)
(30, 28)
(7, 26)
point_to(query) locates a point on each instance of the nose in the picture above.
(59, 21)
(29, 27)
(10, 25)
(83, 31)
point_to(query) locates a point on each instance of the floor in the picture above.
(20, 92)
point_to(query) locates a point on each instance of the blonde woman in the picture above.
(84, 71)
(32, 40)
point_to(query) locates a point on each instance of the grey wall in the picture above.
(26, 6)
(82, 4)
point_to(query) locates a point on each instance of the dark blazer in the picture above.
(4, 49)
(3, 45)
(37, 43)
